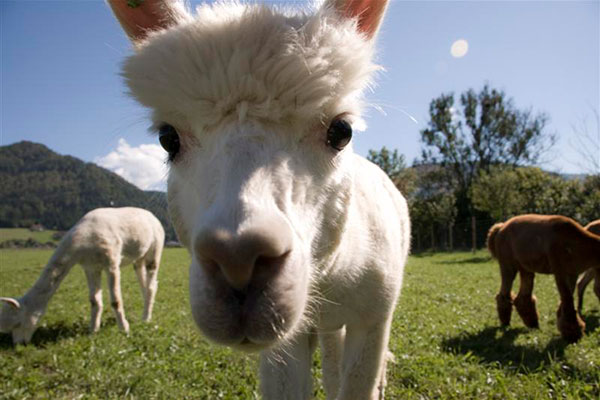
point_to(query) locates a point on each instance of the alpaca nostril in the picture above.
(239, 295)
(241, 257)
(265, 267)
(270, 262)
(209, 265)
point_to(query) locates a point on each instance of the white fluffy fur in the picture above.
(251, 91)
(104, 239)
(235, 62)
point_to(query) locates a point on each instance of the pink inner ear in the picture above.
(148, 15)
(368, 12)
(13, 302)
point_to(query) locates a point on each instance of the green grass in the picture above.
(24, 233)
(445, 339)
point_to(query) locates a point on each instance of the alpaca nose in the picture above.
(256, 254)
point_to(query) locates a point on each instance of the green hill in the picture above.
(39, 185)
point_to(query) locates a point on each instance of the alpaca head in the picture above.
(255, 107)
(15, 319)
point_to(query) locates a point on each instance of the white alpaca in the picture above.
(293, 237)
(104, 239)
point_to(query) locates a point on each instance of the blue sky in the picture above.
(60, 81)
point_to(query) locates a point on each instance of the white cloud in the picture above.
(144, 166)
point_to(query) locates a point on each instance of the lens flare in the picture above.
(459, 48)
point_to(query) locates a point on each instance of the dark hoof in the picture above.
(571, 335)
(527, 311)
(532, 324)
(504, 306)
(571, 329)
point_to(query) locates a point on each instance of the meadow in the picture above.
(24, 234)
(445, 338)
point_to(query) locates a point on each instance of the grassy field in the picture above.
(445, 338)
(23, 233)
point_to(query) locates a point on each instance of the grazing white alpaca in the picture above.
(104, 239)
(293, 237)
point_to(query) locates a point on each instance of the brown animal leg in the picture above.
(585, 280)
(597, 283)
(569, 323)
(504, 299)
(504, 306)
(525, 300)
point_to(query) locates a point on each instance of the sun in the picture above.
(459, 48)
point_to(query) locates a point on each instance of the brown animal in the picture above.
(546, 244)
(591, 273)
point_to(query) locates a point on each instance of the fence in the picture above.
(463, 235)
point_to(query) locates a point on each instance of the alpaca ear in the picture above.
(140, 17)
(369, 13)
(12, 302)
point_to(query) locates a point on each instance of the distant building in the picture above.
(37, 227)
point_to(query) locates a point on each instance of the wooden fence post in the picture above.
(450, 239)
(473, 233)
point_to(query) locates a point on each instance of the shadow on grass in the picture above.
(470, 260)
(50, 334)
(592, 321)
(495, 345)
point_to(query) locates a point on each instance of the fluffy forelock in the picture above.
(255, 62)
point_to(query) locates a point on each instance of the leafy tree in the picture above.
(488, 130)
(505, 192)
(547, 193)
(394, 165)
(588, 207)
(428, 190)
(587, 143)
(433, 203)
(497, 193)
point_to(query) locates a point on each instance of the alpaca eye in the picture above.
(169, 140)
(339, 133)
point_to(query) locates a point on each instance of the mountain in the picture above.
(39, 185)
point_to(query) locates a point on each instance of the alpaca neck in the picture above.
(36, 299)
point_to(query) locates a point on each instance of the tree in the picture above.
(432, 204)
(588, 207)
(546, 193)
(505, 192)
(587, 143)
(497, 193)
(394, 165)
(429, 193)
(488, 131)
